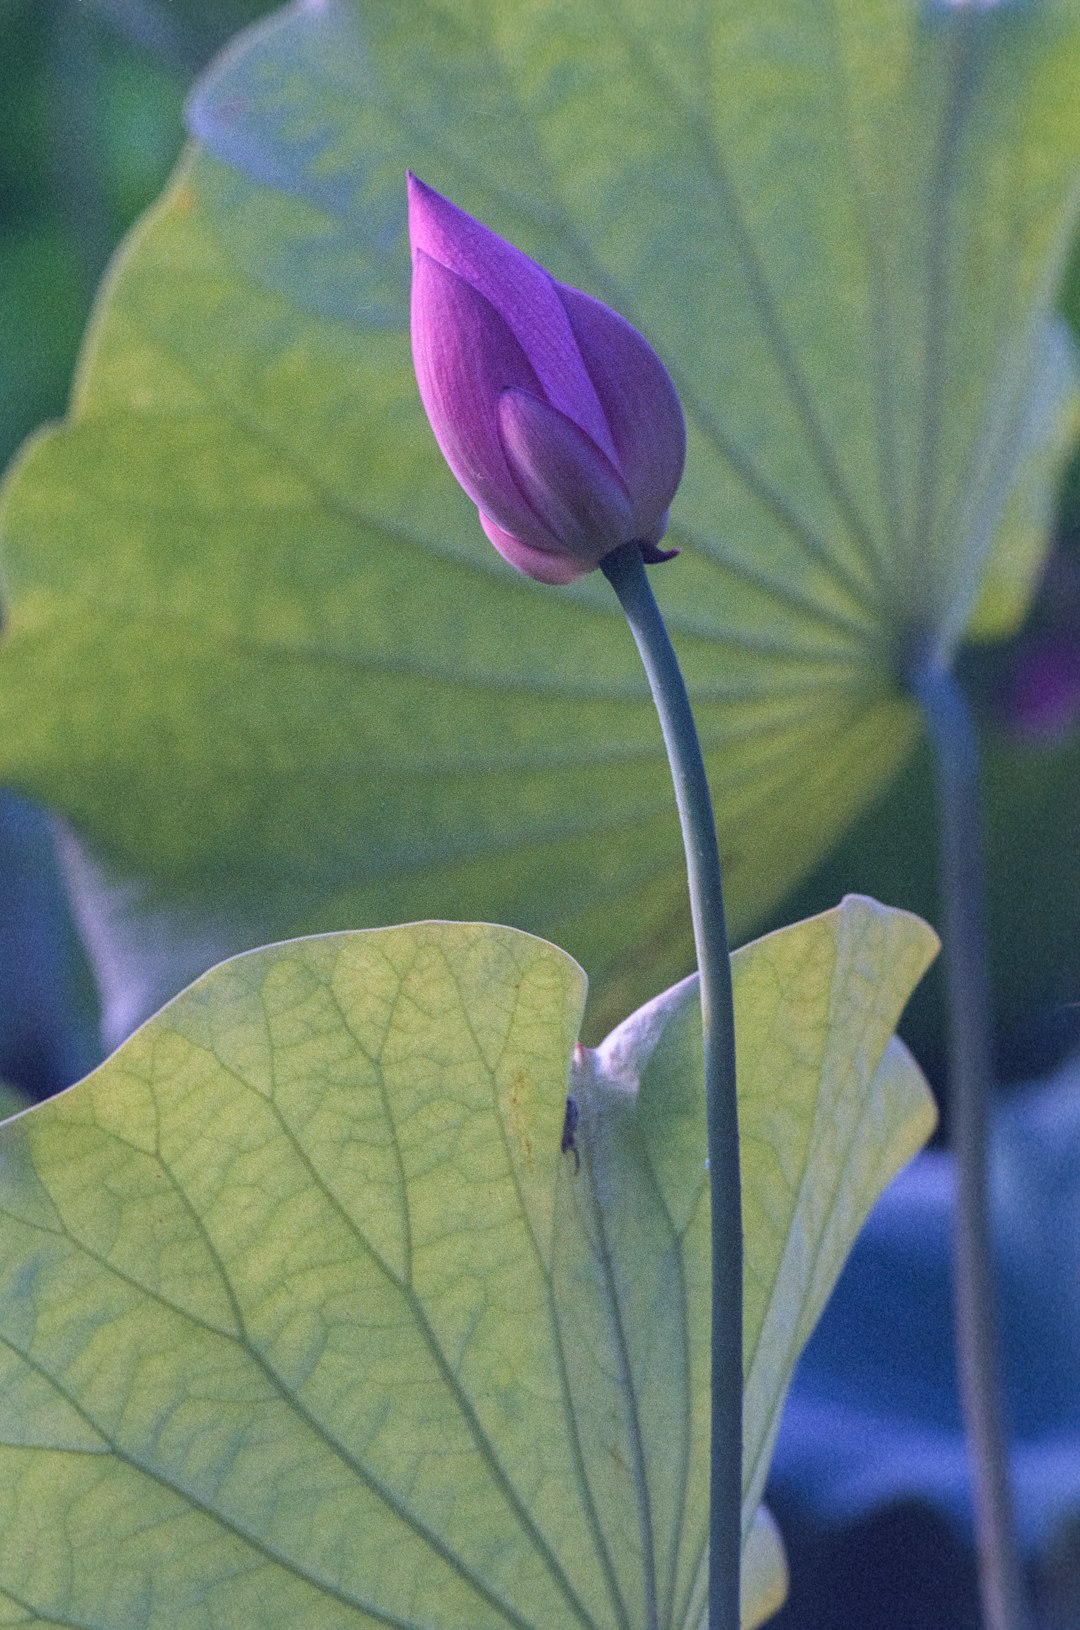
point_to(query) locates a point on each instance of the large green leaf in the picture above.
(258, 650)
(305, 1317)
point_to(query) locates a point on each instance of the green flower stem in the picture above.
(956, 755)
(625, 571)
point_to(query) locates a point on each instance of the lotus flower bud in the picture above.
(556, 417)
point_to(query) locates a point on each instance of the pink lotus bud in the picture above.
(554, 414)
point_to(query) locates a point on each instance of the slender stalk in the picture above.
(956, 755)
(625, 571)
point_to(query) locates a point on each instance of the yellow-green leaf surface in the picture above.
(257, 649)
(307, 1318)
(764, 1572)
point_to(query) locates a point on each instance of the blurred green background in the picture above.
(91, 122)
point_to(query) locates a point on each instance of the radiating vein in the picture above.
(247, 1536)
(704, 132)
(941, 181)
(460, 1397)
(882, 335)
(811, 1172)
(242, 1341)
(739, 458)
(628, 1389)
(570, 1420)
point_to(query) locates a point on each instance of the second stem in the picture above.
(967, 978)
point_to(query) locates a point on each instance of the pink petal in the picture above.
(640, 403)
(569, 484)
(540, 564)
(465, 357)
(524, 295)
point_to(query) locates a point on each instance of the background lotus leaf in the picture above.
(258, 652)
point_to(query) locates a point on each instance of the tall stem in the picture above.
(956, 755)
(625, 571)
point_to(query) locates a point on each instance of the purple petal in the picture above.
(640, 403)
(541, 564)
(569, 484)
(524, 295)
(465, 357)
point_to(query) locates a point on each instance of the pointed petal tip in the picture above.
(436, 223)
(423, 197)
(424, 204)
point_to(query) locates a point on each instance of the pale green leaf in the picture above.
(764, 1572)
(829, 1107)
(1018, 547)
(257, 648)
(306, 1318)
